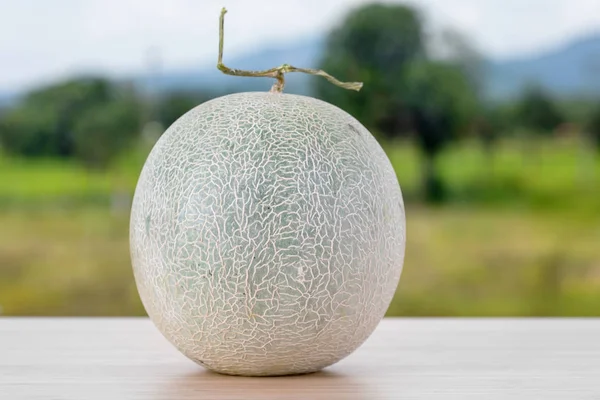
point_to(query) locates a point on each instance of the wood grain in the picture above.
(404, 359)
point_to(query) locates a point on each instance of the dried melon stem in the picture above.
(277, 72)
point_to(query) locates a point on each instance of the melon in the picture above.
(267, 234)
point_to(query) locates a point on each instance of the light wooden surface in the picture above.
(403, 359)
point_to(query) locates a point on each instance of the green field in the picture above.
(519, 235)
(554, 175)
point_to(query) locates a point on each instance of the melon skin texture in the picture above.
(267, 234)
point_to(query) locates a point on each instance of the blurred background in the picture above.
(488, 109)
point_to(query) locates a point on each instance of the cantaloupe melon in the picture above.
(267, 234)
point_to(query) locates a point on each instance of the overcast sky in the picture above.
(42, 40)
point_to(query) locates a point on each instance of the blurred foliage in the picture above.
(174, 105)
(442, 105)
(43, 123)
(405, 89)
(593, 126)
(455, 48)
(90, 119)
(102, 132)
(375, 45)
(536, 111)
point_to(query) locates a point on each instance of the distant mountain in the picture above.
(302, 54)
(571, 70)
(6, 99)
(568, 71)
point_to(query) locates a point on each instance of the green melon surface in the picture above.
(267, 234)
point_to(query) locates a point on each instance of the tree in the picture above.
(537, 112)
(28, 133)
(375, 44)
(454, 47)
(493, 120)
(176, 104)
(442, 105)
(593, 126)
(42, 123)
(383, 46)
(104, 131)
(90, 119)
(66, 101)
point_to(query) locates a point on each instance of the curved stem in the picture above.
(277, 72)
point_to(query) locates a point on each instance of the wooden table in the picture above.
(404, 359)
